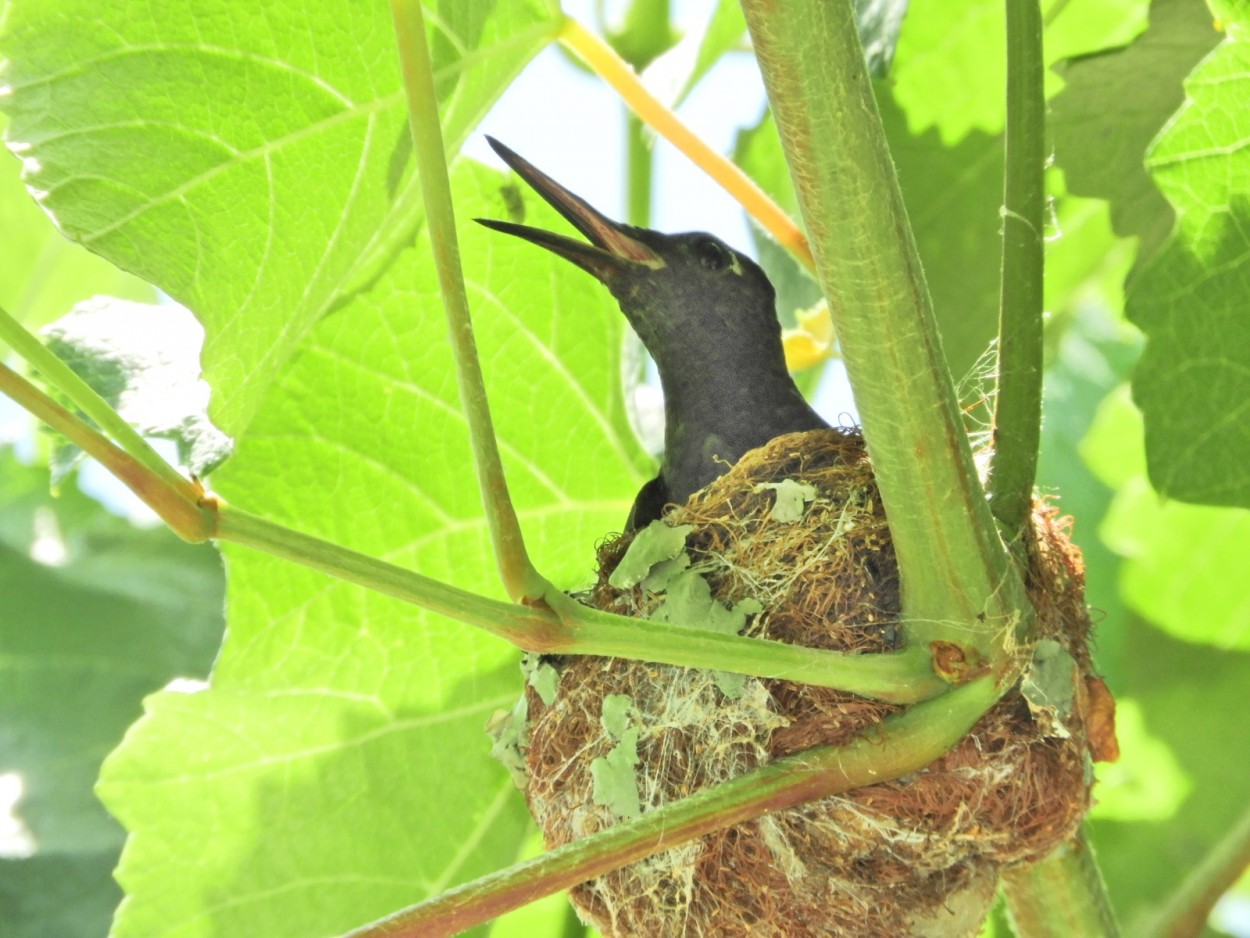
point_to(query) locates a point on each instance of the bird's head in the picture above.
(680, 292)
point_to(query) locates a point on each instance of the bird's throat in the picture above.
(711, 424)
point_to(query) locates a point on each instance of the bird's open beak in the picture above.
(612, 248)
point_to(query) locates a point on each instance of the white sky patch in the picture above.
(48, 546)
(186, 685)
(16, 840)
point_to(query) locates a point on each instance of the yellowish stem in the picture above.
(604, 61)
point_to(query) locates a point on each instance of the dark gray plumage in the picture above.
(707, 315)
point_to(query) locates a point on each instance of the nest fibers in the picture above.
(916, 855)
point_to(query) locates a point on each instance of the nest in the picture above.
(917, 855)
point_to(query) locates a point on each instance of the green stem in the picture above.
(520, 578)
(62, 377)
(901, 744)
(574, 629)
(1018, 411)
(178, 503)
(558, 625)
(1063, 896)
(957, 581)
(1186, 911)
(638, 168)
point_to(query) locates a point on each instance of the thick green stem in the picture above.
(520, 578)
(1063, 896)
(956, 576)
(1018, 412)
(901, 744)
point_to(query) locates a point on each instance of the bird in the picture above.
(707, 315)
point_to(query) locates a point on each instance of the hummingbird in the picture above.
(707, 315)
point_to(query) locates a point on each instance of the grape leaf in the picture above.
(251, 160)
(43, 274)
(1194, 380)
(1182, 563)
(1115, 102)
(339, 767)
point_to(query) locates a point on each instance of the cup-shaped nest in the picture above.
(796, 531)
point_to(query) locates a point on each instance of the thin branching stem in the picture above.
(569, 628)
(176, 503)
(521, 579)
(900, 744)
(1186, 911)
(1018, 410)
(63, 378)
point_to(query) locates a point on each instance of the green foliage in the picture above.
(43, 275)
(143, 360)
(1192, 385)
(251, 161)
(272, 200)
(96, 614)
(1115, 102)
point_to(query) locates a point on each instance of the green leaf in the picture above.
(1191, 699)
(43, 274)
(1048, 686)
(1194, 381)
(950, 69)
(1183, 564)
(144, 360)
(616, 714)
(96, 615)
(725, 31)
(1146, 783)
(1114, 104)
(651, 546)
(251, 161)
(353, 724)
(540, 675)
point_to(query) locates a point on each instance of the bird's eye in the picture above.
(712, 254)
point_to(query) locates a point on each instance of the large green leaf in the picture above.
(43, 274)
(338, 768)
(1115, 102)
(1193, 385)
(1183, 563)
(251, 160)
(951, 65)
(96, 614)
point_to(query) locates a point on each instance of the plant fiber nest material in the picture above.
(916, 855)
